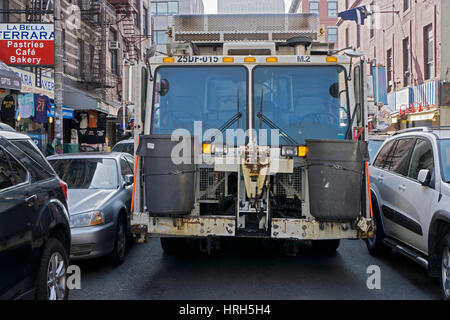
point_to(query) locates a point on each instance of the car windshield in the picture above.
(88, 173)
(374, 146)
(307, 102)
(211, 95)
(444, 150)
(123, 147)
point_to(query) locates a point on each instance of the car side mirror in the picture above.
(424, 177)
(128, 180)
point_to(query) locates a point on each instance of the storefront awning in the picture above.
(77, 100)
(8, 78)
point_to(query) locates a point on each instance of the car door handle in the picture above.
(402, 187)
(380, 178)
(30, 199)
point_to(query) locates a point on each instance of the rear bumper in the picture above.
(92, 242)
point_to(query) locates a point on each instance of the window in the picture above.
(114, 60)
(80, 55)
(172, 7)
(346, 4)
(429, 52)
(406, 58)
(332, 34)
(11, 172)
(422, 158)
(145, 22)
(444, 155)
(390, 69)
(153, 9)
(383, 154)
(137, 15)
(91, 57)
(314, 7)
(125, 167)
(332, 9)
(161, 9)
(398, 160)
(160, 36)
(33, 152)
(347, 43)
(405, 5)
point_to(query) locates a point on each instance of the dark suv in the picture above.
(34, 223)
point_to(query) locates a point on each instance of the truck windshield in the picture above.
(208, 94)
(306, 102)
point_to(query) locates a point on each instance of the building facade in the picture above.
(161, 17)
(327, 10)
(98, 38)
(407, 42)
(250, 6)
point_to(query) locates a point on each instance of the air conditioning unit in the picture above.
(114, 45)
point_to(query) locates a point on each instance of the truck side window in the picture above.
(399, 158)
(383, 154)
(422, 158)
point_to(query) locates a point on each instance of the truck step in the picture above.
(409, 253)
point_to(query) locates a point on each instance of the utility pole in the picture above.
(59, 55)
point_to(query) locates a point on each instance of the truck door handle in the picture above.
(30, 199)
(402, 187)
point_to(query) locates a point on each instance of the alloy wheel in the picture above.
(56, 277)
(446, 271)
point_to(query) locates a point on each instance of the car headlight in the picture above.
(86, 219)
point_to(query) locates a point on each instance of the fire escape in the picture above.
(100, 15)
(127, 16)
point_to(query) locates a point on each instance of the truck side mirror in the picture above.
(164, 87)
(424, 177)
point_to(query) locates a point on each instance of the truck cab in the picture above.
(252, 128)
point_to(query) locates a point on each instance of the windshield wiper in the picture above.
(272, 124)
(230, 121)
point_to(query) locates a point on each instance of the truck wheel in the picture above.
(376, 245)
(51, 280)
(173, 245)
(117, 255)
(327, 246)
(445, 267)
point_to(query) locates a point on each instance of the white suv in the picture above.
(410, 182)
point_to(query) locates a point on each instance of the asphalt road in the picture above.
(247, 271)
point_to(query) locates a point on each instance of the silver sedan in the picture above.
(99, 191)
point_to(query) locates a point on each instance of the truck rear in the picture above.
(250, 127)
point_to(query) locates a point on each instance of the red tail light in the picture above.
(64, 188)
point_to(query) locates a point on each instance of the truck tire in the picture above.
(173, 245)
(376, 245)
(51, 280)
(326, 246)
(117, 255)
(445, 267)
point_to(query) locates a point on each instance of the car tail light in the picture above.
(64, 188)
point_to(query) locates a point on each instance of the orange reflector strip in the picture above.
(250, 59)
(272, 59)
(169, 60)
(368, 189)
(332, 59)
(228, 59)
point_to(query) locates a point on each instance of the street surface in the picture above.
(252, 273)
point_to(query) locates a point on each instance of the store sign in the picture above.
(68, 113)
(28, 44)
(29, 84)
(37, 138)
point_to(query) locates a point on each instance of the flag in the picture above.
(358, 14)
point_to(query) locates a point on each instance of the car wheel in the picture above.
(117, 256)
(51, 281)
(326, 246)
(445, 267)
(376, 245)
(173, 245)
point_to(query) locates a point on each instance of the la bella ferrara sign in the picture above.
(27, 44)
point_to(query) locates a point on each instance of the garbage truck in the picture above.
(251, 126)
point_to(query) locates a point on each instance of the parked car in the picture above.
(100, 190)
(34, 223)
(124, 146)
(375, 143)
(410, 182)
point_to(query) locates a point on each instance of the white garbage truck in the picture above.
(251, 126)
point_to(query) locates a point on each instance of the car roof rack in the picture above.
(419, 129)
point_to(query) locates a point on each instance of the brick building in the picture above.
(407, 38)
(327, 9)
